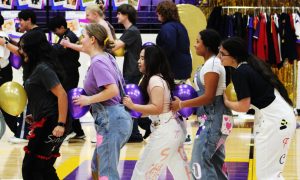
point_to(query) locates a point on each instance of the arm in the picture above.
(12, 48)
(66, 43)
(62, 99)
(109, 92)
(118, 44)
(211, 80)
(242, 105)
(156, 106)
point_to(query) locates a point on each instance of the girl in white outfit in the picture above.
(259, 88)
(165, 145)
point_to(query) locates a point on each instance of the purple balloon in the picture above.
(185, 92)
(135, 93)
(75, 110)
(148, 44)
(15, 61)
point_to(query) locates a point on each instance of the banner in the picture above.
(71, 4)
(37, 4)
(6, 4)
(134, 3)
(11, 21)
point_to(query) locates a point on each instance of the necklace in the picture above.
(244, 62)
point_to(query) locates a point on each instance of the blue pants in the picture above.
(113, 126)
(208, 153)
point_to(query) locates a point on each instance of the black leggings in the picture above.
(42, 151)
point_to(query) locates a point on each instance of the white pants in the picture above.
(164, 149)
(275, 127)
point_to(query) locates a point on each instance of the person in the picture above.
(174, 40)
(48, 104)
(208, 154)
(70, 61)
(95, 14)
(258, 87)
(27, 22)
(17, 124)
(165, 146)
(104, 86)
(6, 75)
(131, 40)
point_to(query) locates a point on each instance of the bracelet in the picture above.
(179, 104)
(61, 124)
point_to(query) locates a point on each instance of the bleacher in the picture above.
(146, 21)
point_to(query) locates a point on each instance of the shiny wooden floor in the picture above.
(75, 160)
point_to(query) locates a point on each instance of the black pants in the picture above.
(145, 124)
(6, 76)
(135, 134)
(15, 124)
(42, 151)
(72, 82)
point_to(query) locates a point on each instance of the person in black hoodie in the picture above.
(69, 58)
(48, 103)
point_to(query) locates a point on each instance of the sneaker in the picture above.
(135, 139)
(93, 140)
(71, 135)
(16, 140)
(77, 138)
(147, 133)
(188, 140)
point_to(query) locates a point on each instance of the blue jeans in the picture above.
(208, 153)
(113, 126)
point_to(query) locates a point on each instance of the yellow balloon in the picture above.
(194, 21)
(230, 92)
(119, 52)
(13, 98)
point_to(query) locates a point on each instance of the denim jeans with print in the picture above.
(113, 126)
(208, 153)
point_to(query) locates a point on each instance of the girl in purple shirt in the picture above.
(102, 84)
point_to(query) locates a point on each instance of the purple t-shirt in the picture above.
(101, 72)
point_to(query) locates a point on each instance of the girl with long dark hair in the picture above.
(48, 104)
(259, 88)
(165, 145)
(208, 153)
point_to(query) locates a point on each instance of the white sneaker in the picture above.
(93, 140)
(16, 140)
(73, 134)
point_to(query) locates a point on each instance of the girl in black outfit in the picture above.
(48, 103)
(259, 88)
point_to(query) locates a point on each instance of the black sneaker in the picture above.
(188, 140)
(77, 138)
(147, 134)
(135, 139)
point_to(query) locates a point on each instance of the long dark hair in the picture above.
(156, 63)
(237, 48)
(211, 39)
(38, 49)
